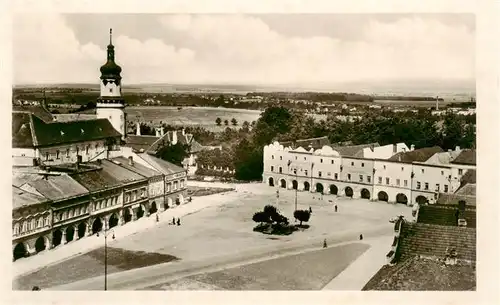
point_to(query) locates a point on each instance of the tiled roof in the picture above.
(453, 199)
(160, 165)
(69, 132)
(110, 175)
(21, 130)
(442, 158)
(468, 190)
(354, 150)
(306, 143)
(140, 142)
(137, 168)
(66, 117)
(22, 198)
(417, 155)
(38, 111)
(58, 187)
(468, 177)
(423, 274)
(444, 214)
(196, 147)
(466, 156)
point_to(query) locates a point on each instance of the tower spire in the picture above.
(110, 36)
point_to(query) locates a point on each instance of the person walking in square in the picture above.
(310, 210)
(178, 221)
(335, 208)
(173, 220)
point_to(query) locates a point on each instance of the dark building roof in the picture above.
(307, 143)
(137, 167)
(21, 130)
(46, 134)
(39, 111)
(110, 70)
(423, 274)
(58, 187)
(453, 199)
(468, 177)
(160, 165)
(140, 143)
(22, 198)
(354, 150)
(467, 157)
(417, 155)
(444, 213)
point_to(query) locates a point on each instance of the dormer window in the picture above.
(82, 131)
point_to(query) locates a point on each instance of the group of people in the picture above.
(174, 223)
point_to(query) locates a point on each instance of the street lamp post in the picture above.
(106, 233)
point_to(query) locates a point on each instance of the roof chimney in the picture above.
(162, 132)
(174, 137)
(157, 132)
(412, 147)
(183, 131)
(137, 129)
(457, 148)
(131, 161)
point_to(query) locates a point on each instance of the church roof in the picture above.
(110, 69)
(30, 131)
(417, 155)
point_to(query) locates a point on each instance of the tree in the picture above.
(226, 122)
(173, 153)
(234, 122)
(270, 210)
(261, 217)
(218, 121)
(245, 126)
(302, 215)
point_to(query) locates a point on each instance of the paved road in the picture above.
(154, 275)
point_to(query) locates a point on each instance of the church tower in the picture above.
(110, 104)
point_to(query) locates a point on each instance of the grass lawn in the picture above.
(205, 191)
(306, 271)
(88, 265)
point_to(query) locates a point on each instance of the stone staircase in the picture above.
(444, 215)
(434, 240)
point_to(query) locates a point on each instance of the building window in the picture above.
(426, 186)
(319, 174)
(422, 170)
(360, 178)
(406, 182)
(329, 174)
(295, 157)
(336, 176)
(46, 156)
(87, 149)
(110, 90)
(402, 169)
(387, 180)
(368, 179)
(442, 173)
(96, 147)
(352, 163)
(272, 168)
(295, 171)
(281, 170)
(305, 172)
(77, 150)
(305, 159)
(418, 185)
(57, 154)
(332, 161)
(67, 153)
(40, 222)
(362, 165)
(272, 157)
(460, 171)
(446, 188)
(16, 229)
(379, 180)
(281, 157)
(437, 187)
(384, 166)
(349, 177)
(320, 160)
(398, 182)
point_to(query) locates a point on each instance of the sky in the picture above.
(268, 49)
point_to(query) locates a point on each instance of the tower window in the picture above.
(110, 90)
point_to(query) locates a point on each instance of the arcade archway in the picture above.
(97, 225)
(421, 200)
(40, 244)
(113, 221)
(82, 227)
(271, 181)
(319, 188)
(153, 208)
(70, 233)
(20, 251)
(283, 183)
(365, 194)
(382, 196)
(349, 192)
(127, 216)
(140, 212)
(295, 184)
(56, 238)
(401, 198)
(307, 186)
(333, 189)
